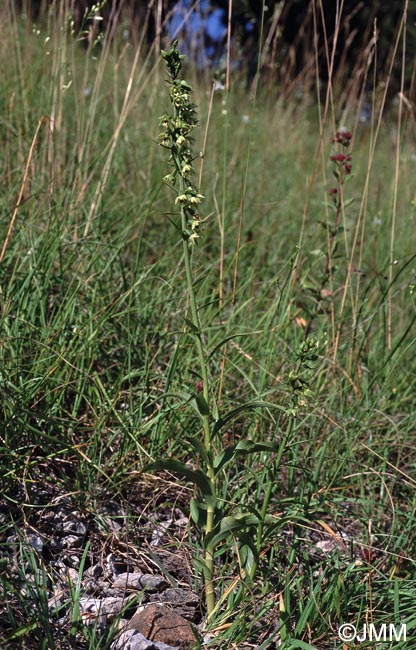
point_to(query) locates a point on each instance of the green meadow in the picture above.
(260, 377)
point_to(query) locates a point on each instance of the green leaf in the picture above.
(202, 405)
(191, 325)
(242, 447)
(195, 476)
(224, 458)
(250, 406)
(214, 409)
(198, 512)
(177, 226)
(199, 447)
(22, 631)
(247, 550)
(199, 507)
(199, 563)
(251, 447)
(233, 524)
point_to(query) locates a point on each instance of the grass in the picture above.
(97, 370)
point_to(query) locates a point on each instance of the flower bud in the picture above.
(169, 179)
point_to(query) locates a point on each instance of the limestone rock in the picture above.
(146, 581)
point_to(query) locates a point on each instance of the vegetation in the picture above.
(253, 340)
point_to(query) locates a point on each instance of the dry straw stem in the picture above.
(44, 119)
(130, 100)
(324, 114)
(329, 106)
(230, 13)
(328, 110)
(400, 34)
(128, 103)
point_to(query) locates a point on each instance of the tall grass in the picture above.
(96, 370)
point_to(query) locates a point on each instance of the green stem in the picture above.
(209, 552)
(209, 563)
(197, 324)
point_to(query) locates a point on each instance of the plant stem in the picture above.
(195, 319)
(209, 555)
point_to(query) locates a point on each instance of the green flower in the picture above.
(195, 200)
(186, 169)
(181, 199)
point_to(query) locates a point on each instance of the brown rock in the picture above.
(158, 623)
